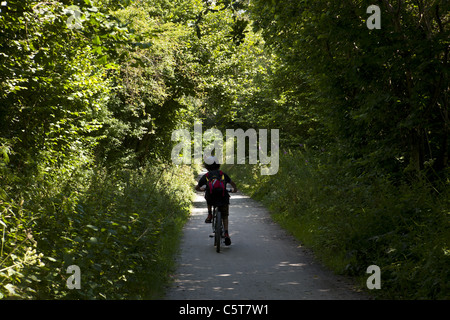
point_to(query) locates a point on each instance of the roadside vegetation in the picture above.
(351, 222)
(92, 90)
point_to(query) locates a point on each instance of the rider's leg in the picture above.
(227, 235)
(224, 210)
(225, 224)
(209, 218)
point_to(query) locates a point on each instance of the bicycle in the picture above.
(217, 226)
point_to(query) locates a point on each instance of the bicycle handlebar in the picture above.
(203, 188)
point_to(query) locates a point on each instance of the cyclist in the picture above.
(221, 201)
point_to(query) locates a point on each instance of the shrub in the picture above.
(122, 230)
(354, 221)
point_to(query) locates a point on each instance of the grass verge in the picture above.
(121, 228)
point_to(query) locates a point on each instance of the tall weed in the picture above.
(120, 228)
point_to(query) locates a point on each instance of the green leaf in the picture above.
(96, 40)
(103, 60)
(92, 227)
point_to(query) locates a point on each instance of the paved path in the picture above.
(263, 261)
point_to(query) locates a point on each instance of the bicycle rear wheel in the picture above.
(218, 230)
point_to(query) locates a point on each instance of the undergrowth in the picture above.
(121, 228)
(352, 222)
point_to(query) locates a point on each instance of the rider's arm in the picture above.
(234, 186)
(200, 183)
(200, 188)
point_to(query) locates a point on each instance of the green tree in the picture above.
(382, 93)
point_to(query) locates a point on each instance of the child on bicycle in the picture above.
(219, 199)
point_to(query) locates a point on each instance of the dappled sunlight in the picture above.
(287, 264)
(261, 263)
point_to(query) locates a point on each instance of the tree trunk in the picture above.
(417, 149)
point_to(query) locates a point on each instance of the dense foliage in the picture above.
(91, 91)
(84, 100)
(382, 94)
(354, 222)
(364, 120)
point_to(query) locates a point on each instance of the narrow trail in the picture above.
(262, 263)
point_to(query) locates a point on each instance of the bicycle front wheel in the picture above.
(218, 230)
